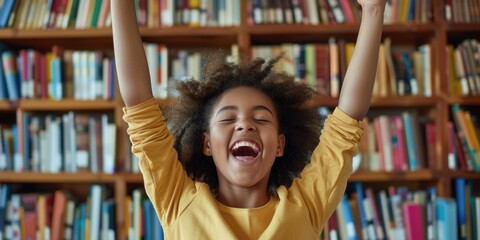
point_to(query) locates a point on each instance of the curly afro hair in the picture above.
(188, 117)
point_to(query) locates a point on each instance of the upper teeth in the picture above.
(246, 144)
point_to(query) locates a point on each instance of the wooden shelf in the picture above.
(7, 105)
(65, 105)
(54, 33)
(462, 27)
(181, 37)
(107, 32)
(420, 175)
(410, 28)
(288, 29)
(463, 100)
(464, 174)
(33, 177)
(405, 101)
(132, 177)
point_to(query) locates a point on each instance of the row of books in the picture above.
(463, 68)
(463, 140)
(70, 142)
(57, 215)
(89, 75)
(84, 14)
(401, 70)
(396, 143)
(462, 11)
(398, 213)
(62, 215)
(81, 75)
(315, 12)
(141, 221)
(37, 14)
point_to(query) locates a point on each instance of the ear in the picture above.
(206, 145)
(281, 145)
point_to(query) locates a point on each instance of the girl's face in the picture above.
(243, 139)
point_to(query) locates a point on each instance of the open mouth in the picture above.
(245, 150)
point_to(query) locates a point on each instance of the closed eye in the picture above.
(227, 120)
(262, 120)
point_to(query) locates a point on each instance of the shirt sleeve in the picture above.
(323, 181)
(166, 183)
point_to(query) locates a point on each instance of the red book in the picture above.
(431, 139)
(413, 219)
(332, 225)
(58, 215)
(322, 69)
(29, 204)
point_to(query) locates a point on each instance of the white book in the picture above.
(313, 12)
(426, 60)
(137, 213)
(95, 210)
(163, 84)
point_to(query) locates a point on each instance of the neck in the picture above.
(243, 198)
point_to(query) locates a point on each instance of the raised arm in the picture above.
(132, 68)
(357, 86)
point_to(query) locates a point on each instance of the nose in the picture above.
(245, 125)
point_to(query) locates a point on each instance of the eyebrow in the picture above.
(234, 108)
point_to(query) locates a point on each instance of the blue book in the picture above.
(473, 210)
(26, 141)
(157, 229)
(3, 84)
(411, 11)
(147, 219)
(411, 148)
(432, 199)
(5, 192)
(446, 211)
(5, 11)
(361, 210)
(461, 207)
(11, 75)
(112, 80)
(412, 85)
(16, 166)
(76, 222)
(348, 217)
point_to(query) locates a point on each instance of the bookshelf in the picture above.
(438, 33)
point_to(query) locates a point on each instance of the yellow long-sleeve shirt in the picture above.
(187, 209)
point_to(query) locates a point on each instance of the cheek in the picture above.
(219, 139)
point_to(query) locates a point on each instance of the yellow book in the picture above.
(41, 211)
(418, 71)
(471, 130)
(392, 78)
(453, 83)
(48, 62)
(404, 11)
(382, 72)
(127, 214)
(471, 135)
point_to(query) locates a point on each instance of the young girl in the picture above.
(244, 159)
